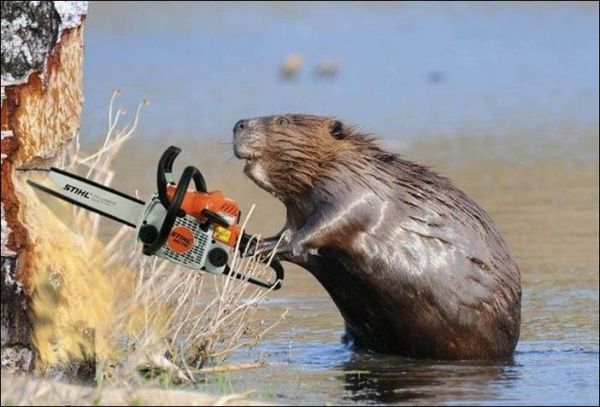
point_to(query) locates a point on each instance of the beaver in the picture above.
(415, 267)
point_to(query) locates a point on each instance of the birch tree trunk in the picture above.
(42, 61)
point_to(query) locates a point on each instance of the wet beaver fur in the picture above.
(415, 267)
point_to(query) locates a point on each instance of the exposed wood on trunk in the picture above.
(42, 55)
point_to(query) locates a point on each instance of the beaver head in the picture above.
(287, 154)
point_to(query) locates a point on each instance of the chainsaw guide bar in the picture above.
(93, 196)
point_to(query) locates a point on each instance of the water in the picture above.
(501, 98)
(414, 70)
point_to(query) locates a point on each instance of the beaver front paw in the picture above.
(295, 248)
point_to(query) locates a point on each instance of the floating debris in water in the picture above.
(292, 65)
(327, 68)
(435, 77)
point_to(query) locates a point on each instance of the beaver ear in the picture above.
(337, 130)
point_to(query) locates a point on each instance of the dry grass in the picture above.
(164, 318)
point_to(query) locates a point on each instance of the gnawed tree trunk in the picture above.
(42, 62)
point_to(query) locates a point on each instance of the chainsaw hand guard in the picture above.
(164, 175)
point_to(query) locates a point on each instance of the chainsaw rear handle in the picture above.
(275, 265)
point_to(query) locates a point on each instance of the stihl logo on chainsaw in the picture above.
(77, 191)
(181, 239)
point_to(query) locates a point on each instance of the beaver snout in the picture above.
(245, 126)
(240, 126)
(246, 139)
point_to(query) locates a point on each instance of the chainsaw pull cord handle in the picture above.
(165, 169)
(173, 210)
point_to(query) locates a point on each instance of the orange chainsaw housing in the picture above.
(195, 202)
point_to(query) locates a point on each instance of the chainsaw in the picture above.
(194, 228)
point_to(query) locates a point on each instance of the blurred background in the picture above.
(501, 97)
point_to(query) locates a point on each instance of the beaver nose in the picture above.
(240, 125)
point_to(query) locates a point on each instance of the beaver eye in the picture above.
(282, 121)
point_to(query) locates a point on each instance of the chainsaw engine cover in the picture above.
(189, 243)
